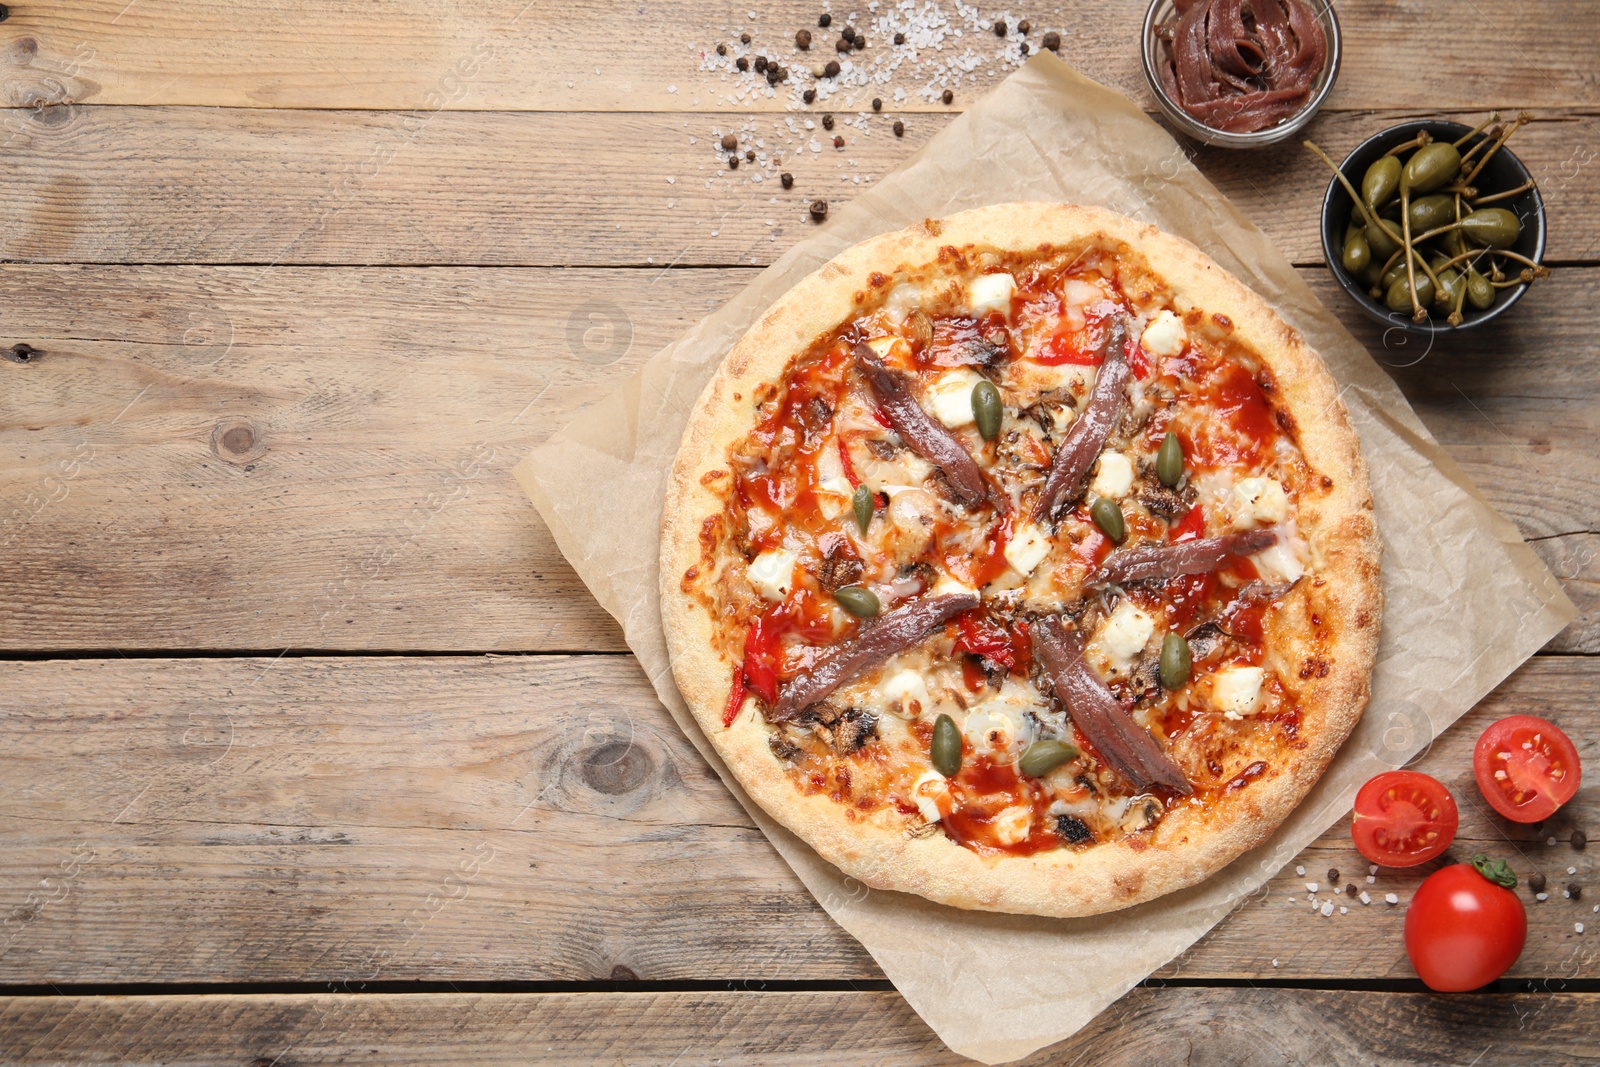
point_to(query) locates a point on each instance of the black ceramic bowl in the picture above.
(1504, 171)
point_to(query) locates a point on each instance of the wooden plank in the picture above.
(607, 55)
(110, 185)
(536, 818)
(1260, 1027)
(371, 507)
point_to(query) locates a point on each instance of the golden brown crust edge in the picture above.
(1186, 846)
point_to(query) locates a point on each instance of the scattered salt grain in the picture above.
(1550, 841)
(1311, 886)
(1390, 898)
(1300, 870)
(1344, 911)
(1372, 879)
(1327, 908)
(1364, 898)
(1372, 868)
(672, 181)
(1274, 963)
(1578, 927)
(1572, 870)
(1541, 896)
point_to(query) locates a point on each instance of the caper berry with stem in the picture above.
(1492, 226)
(1480, 291)
(1398, 296)
(1384, 239)
(1042, 757)
(1169, 460)
(1357, 252)
(1176, 661)
(1432, 211)
(1381, 181)
(858, 600)
(1108, 516)
(987, 409)
(1430, 167)
(945, 750)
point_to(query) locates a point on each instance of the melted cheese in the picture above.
(772, 573)
(905, 693)
(949, 399)
(927, 791)
(1124, 635)
(1012, 824)
(1259, 500)
(1164, 336)
(1113, 476)
(1236, 691)
(1027, 549)
(990, 292)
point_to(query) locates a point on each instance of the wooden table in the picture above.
(315, 749)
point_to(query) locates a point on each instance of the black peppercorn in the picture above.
(802, 40)
(1024, 47)
(877, 103)
(1024, 26)
(1350, 889)
(947, 96)
(773, 74)
(825, 20)
(742, 63)
(999, 27)
(899, 128)
(1333, 876)
(761, 64)
(1536, 882)
(827, 122)
(722, 49)
(787, 179)
(733, 162)
(809, 96)
(848, 33)
(861, 44)
(1579, 841)
(838, 142)
(832, 69)
(744, 38)
(819, 210)
(749, 155)
(729, 142)
(841, 45)
(1574, 890)
(1052, 41)
(899, 38)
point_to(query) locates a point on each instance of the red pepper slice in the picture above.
(972, 674)
(1191, 526)
(982, 636)
(1139, 362)
(1061, 349)
(761, 659)
(735, 697)
(849, 468)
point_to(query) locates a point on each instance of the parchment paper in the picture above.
(1467, 601)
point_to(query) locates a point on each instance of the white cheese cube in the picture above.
(946, 586)
(996, 726)
(902, 300)
(949, 399)
(1164, 336)
(1080, 294)
(1113, 476)
(889, 349)
(772, 573)
(1012, 824)
(901, 689)
(991, 292)
(1027, 548)
(1278, 563)
(1126, 632)
(1259, 500)
(833, 496)
(926, 792)
(1236, 691)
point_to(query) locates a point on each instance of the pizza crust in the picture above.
(1189, 844)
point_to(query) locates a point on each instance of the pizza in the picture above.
(1023, 560)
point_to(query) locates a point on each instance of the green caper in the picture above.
(1480, 293)
(1169, 460)
(986, 409)
(1371, 274)
(1493, 226)
(1431, 212)
(861, 502)
(1393, 274)
(1357, 253)
(1380, 181)
(1398, 298)
(1384, 241)
(1042, 757)
(858, 600)
(1108, 516)
(946, 748)
(1453, 243)
(1430, 166)
(1176, 660)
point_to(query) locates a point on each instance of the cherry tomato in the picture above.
(1465, 927)
(1404, 818)
(1526, 768)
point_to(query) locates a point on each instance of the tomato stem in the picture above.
(1497, 871)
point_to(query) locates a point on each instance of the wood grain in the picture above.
(113, 184)
(1259, 1027)
(337, 517)
(606, 55)
(538, 818)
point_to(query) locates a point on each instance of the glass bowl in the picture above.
(1161, 10)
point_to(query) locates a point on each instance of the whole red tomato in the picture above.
(1465, 927)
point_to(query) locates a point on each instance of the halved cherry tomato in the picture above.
(1404, 818)
(1465, 927)
(1526, 768)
